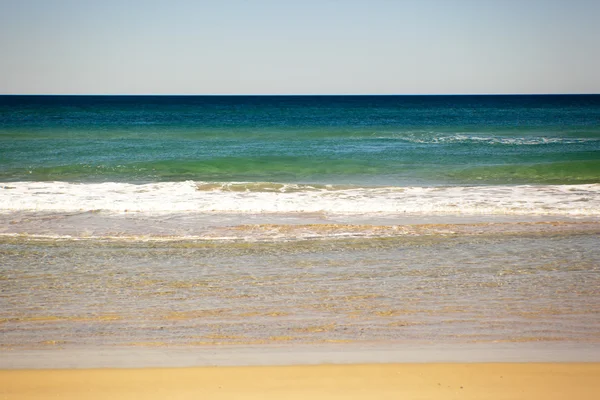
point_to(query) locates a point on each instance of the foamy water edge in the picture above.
(240, 197)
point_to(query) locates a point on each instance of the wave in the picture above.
(463, 138)
(268, 187)
(62, 227)
(269, 197)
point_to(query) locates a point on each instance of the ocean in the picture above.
(195, 221)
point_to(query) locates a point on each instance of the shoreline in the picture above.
(296, 354)
(358, 381)
(90, 227)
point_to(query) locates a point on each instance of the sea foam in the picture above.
(245, 197)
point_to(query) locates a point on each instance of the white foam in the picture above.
(494, 140)
(172, 197)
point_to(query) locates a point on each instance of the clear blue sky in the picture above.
(299, 47)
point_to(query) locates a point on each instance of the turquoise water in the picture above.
(358, 140)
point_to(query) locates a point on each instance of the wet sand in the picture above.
(360, 381)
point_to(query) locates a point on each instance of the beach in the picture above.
(300, 200)
(382, 381)
(291, 246)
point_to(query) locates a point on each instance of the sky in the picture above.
(299, 47)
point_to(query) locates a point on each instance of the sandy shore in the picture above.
(365, 381)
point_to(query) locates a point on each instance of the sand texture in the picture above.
(371, 381)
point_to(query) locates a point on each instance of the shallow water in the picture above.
(413, 289)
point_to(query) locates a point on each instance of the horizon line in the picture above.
(296, 94)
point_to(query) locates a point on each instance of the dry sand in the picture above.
(369, 381)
